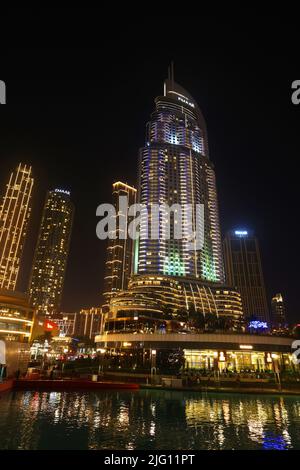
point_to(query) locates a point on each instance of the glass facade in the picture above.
(14, 215)
(235, 361)
(175, 169)
(51, 254)
(172, 278)
(120, 250)
(244, 271)
(278, 312)
(173, 301)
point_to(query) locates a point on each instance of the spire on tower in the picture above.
(171, 72)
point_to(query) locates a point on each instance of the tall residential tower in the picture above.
(278, 312)
(14, 215)
(51, 254)
(244, 271)
(120, 250)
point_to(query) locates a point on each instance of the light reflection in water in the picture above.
(273, 442)
(147, 420)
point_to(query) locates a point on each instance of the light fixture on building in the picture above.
(221, 357)
(269, 359)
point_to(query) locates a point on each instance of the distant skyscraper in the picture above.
(51, 254)
(244, 271)
(175, 169)
(88, 322)
(278, 311)
(120, 253)
(14, 215)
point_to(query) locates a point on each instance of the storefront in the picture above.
(223, 352)
(235, 361)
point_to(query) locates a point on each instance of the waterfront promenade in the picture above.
(126, 382)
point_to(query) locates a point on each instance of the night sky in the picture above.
(78, 115)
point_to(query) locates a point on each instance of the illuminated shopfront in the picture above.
(16, 322)
(234, 361)
(223, 352)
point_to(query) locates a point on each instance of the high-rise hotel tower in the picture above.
(175, 169)
(14, 215)
(51, 254)
(174, 277)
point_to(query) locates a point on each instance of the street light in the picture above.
(153, 362)
(101, 365)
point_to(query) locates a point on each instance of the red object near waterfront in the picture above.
(74, 385)
(7, 385)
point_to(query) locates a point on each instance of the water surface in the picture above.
(147, 419)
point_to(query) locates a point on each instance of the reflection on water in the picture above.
(147, 420)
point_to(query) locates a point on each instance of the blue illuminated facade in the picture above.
(257, 325)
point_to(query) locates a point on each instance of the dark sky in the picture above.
(78, 115)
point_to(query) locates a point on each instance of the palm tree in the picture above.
(196, 319)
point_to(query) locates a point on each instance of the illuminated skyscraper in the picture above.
(278, 311)
(51, 254)
(172, 276)
(175, 169)
(244, 271)
(14, 215)
(119, 261)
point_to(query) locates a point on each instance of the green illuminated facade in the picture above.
(175, 169)
(172, 283)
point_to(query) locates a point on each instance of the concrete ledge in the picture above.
(224, 341)
(237, 338)
(71, 385)
(242, 391)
